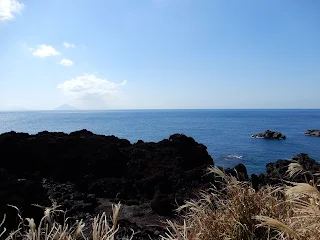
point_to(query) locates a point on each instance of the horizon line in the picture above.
(151, 109)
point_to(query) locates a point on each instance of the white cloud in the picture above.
(68, 45)
(8, 8)
(66, 62)
(44, 51)
(95, 92)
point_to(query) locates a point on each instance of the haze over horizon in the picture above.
(159, 54)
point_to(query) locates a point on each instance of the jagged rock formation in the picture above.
(81, 169)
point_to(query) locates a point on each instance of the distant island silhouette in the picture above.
(66, 107)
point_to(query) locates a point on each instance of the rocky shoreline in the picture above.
(85, 173)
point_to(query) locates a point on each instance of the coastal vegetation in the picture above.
(287, 211)
(236, 211)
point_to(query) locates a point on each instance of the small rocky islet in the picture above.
(313, 132)
(85, 173)
(269, 135)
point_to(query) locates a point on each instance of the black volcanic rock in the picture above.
(77, 203)
(63, 157)
(269, 135)
(82, 167)
(163, 205)
(21, 193)
(313, 132)
(276, 172)
(280, 167)
(239, 171)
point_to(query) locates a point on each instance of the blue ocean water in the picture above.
(226, 133)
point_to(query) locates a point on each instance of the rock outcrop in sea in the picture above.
(313, 132)
(269, 135)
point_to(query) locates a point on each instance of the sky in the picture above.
(159, 54)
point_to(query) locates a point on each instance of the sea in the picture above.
(226, 133)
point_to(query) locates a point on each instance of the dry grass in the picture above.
(238, 212)
(235, 212)
(49, 229)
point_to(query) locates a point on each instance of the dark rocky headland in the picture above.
(86, 173)
(313, 132)
(269, 135)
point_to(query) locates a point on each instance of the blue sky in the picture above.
(150, 54)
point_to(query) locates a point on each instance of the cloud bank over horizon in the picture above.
(91, 91)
